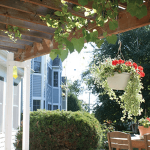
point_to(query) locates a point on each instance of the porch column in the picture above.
(26, 104)
(9, 100)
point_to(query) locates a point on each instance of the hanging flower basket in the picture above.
(118, 81)
(121, 75)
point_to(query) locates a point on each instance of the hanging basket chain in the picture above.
(119, 54)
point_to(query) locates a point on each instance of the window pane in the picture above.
(34, 108)
(55, 83)
(55, 79)
(36, 105)
(37, 67)
(50, 77)
(49, 107)
(55, 107)
(44, 105)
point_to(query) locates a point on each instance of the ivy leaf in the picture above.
(99, 43)
(83, 2)
(52, 54)
(141, 12)
(104, 34)
(69, 45)
(94, 36)
(63, 55)
(113, 25)
(58, 13)
(75, 8)
(112, 39)
(78, 43)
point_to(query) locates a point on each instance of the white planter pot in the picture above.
(118, 81)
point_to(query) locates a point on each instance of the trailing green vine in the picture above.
(103, 11)
(66, 23)
(13, 32)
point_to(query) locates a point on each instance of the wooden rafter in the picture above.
(56, 5)
(39, 40)
(24, 24)
(5, 38)
(38, 49)
(29, 33)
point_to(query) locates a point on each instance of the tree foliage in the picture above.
(73, 103)
(75, 87)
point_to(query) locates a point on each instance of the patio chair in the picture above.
(147, 141)
(119, 140)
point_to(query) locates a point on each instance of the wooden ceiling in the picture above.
(38, 39)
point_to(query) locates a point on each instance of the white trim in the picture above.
(26, 105)
(4, 105)
(9, 100)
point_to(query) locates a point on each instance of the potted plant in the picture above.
(132, 98)
(144, 126)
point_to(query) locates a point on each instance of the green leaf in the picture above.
(113, 25)
(83, 2)
(78, 43)
(53, 55)
(63, 55)
(142, 12)
(59, 13)
(99, 43)
(94, 36)
(69, 45)
(86, 35)
(16, 34)
(75, 8)
(137, 10)
(104, 34)
(112, 39)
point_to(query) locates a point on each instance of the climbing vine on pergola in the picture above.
(79, 21)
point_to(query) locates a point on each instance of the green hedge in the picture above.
(60, 130)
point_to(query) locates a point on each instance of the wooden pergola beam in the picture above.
(5, 38)
(38, 49)
(89, 5)
(9, 49)
(56, 5)
(26, 25)
(125, 23)
(29, 33)
(13, 45)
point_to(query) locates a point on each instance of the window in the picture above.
(1, 102)
(55, 79)
(50, 76)
(55, 107)
(36, 105)
(37, 65)
(44, 105)
(49, 107)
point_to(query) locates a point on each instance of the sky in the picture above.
(74, 65)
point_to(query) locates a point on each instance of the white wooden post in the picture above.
(26, 105)
(9, 100)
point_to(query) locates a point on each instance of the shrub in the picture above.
(60, 130)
